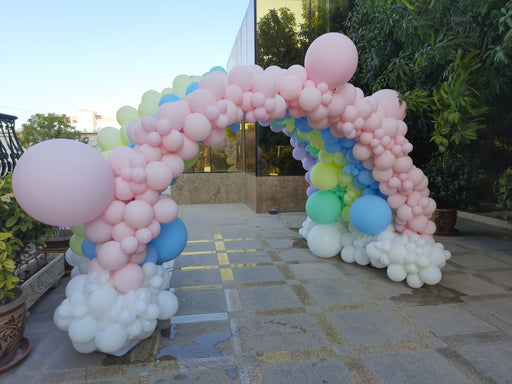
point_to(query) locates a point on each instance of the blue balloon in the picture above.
(169, 98)
(234, 127)
(88, 248)
(171, 241)
(151, 255)
(192, 87)
(370, 214)
(302, 125)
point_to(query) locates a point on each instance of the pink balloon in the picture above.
(122, 230)
(63, 182)
(215, 138)
(216, 82)
(173, 141)
(114, 212)
(150, 196)
(396, 200)
(138, 214)
(189, 149)
(111, 256)
(290, 87)
(389, 100)
(241, 75)
(403, 164)
(129, 244)
(159, 175)
(155, 228)
(266, 84)
(176, 164)
(94, 266)
(144, 235)
(166, 210)
(122, 189)
(234, 94)
(310, 98)
(200, 100)
(385, 160)
(129, 278)
(173, 112)
(137, 258)
(197, 127)
(149, 152)
(119, 159)
(332, 59)
(361, 152)
(98, 230)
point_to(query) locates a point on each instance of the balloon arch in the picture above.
(366, 201)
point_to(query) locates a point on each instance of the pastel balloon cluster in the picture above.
(98, 317)
(408, 258)
(366, 198)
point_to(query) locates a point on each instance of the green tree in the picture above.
(42, 127)
(276, 42)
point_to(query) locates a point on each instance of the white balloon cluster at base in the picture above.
(99, 317)
(409, 258)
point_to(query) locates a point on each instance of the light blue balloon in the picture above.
(171, 241)
(89, 248)
(169, 98)
(192, 87)
(370, 214)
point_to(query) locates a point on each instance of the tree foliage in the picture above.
(42, 127)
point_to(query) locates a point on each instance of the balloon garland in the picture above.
(366, 198)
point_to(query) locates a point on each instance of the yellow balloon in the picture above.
(181, 81)
(148, 107)
(324, 176)
(109, 138)
(151, 95)
(78, 230)
(126, 114)
(124, 137)
(75, 243)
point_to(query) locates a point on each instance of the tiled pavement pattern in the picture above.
(257, 307)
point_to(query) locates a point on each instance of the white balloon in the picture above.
(111, 338)
(102, 300)
(347, 254)
(87, 347)
(396, 272)
(75, 285)
(414, 281)
(430, 275)
(324, 240)
(168, 304)
(82, 330)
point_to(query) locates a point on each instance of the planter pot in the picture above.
(44, 279)
(13, 317)
(445, 220)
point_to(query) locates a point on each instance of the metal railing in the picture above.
(10, 148)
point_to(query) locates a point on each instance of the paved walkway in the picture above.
(257, 307)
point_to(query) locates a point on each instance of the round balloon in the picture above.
(63, 182)
(171, 241)
(370, 214)
(323, 207)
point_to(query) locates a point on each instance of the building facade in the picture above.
(255, 165)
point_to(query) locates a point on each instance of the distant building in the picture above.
(88, 123)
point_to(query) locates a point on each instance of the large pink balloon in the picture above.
(389, 101)
(63, 182)
(332, 59)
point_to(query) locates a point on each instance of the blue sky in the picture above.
(62, 55)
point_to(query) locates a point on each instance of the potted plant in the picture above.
(19, 234)
(454, 183)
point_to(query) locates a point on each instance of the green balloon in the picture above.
(75, 243)
(126, 114)
(324, 176)
(323, 207)
(109, 138)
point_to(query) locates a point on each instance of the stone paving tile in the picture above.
(447, 320)
(284, 332)
(369, 326)
(494, 360)
(255, 306)
(416, 367)
(268, 298)
(470, 285)
(329, 292)
(309, 371)
(201, 301)
(257, 274)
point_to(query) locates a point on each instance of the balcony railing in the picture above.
(10, 148)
